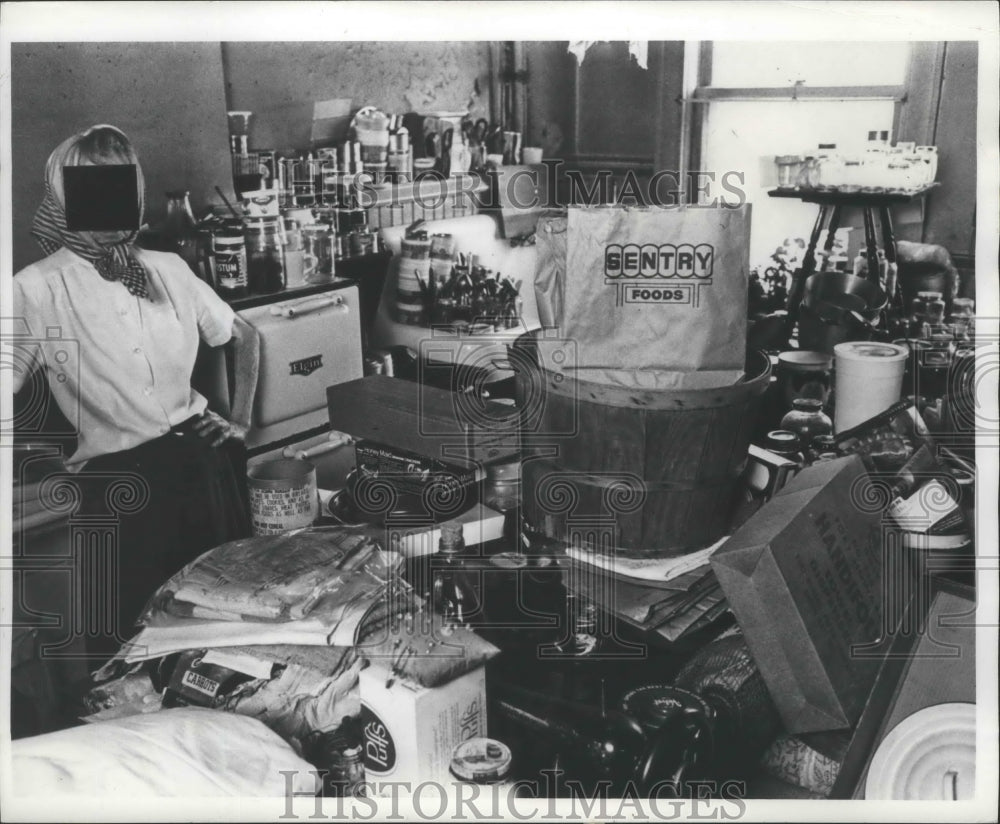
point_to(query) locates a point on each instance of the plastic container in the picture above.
(869, 379)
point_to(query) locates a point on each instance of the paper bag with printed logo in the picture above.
(654, 298)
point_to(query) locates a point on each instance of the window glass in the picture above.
(771, 64)
(746, 136)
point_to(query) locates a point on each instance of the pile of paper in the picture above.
(310, 587)
(672, 597)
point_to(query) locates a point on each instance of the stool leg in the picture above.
(871, 244)
(889, 243)
(808, 267)
(831, 230)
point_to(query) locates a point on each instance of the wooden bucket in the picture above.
(637, 473)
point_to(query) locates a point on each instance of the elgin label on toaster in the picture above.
(664, 273)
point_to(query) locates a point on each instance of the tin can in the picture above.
(229, 256)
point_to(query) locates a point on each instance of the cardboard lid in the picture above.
(859, 350)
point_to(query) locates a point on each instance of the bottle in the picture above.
(453, 592)
(230, 262)
(339, 754)
(180, 229)
(807, 420)
(743, 719)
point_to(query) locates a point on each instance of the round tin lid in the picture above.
(653, 704)
(482, 760)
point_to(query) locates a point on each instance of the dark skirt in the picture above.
(172, 498)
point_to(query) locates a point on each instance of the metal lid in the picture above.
(870, 350)
(653, 704)
(509, 560)
(818, 361)
(482, 760)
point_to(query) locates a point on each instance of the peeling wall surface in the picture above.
(167, 97)
(280, 81)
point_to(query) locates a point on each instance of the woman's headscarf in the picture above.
(49, 228)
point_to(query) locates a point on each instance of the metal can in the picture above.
(229, 256)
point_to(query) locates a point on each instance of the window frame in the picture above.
(914, 102)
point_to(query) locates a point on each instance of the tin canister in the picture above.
(229, 256)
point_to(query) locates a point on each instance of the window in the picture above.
(757, 100)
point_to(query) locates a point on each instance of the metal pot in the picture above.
(837, 307)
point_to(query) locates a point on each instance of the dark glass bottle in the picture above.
(180, 229)
(453, 592)
(723, 721)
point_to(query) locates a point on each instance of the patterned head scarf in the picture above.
(114, 261)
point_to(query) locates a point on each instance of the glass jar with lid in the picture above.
(265, 256)
(319, 243)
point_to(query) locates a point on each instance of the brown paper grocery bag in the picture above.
(652, 297)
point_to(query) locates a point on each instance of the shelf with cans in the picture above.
(439, 286)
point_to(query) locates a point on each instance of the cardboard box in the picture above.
(934, 666)
(410, 731)
(424, 420)
(804, 578)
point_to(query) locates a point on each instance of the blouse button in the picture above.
(147, 391)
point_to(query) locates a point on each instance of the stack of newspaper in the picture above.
(313, 586)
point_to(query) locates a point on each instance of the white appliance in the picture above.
(306, 344)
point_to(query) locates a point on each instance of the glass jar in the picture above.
(788, 170)
(822, 448)
(294, 253)
(319, 243)
(784, 444)
(807, 420)
(265, 256)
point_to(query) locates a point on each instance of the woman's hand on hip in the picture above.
(218, 429)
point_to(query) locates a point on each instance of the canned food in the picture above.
(230, 264)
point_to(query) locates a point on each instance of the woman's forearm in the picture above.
(246, 361)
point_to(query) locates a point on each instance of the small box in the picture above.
(410, 731)
(803, 577)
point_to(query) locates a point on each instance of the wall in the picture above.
(168, 97)
(280, 81)
(951, 208)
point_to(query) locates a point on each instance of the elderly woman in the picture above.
(137, 317)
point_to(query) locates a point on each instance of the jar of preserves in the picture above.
(265, 256)
(294, 253)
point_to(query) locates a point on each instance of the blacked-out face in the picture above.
(102, 198)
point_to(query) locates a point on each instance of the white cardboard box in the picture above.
(410, 731)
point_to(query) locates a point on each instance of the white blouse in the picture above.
(118, 366)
